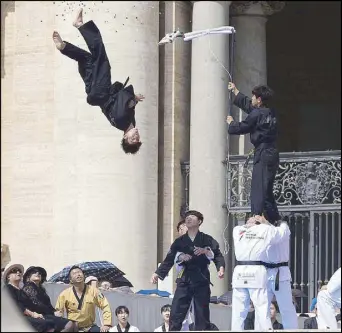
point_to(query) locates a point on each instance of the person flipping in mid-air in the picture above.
(262, 125)
(116, 101)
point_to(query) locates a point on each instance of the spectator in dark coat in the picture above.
(274, 309)
(249, 321)
(37, 300)
(311, 323)
(12, 277)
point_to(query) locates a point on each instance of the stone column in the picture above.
(208, 131)
(70, 194)
(249, 19)
(174, 124)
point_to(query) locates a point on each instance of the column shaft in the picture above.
(208, 131)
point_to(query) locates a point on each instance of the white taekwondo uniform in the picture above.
(328, 300)
(250, 276)
(279, 253)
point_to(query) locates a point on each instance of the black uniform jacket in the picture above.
(116, 110)
(261, 123)
(196, 269)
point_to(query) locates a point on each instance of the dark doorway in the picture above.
(304, 69)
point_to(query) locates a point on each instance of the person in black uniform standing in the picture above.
(193, 280)
(116, 101)
(261, 123)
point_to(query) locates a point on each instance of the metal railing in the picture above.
(307, 189)
(304, 179)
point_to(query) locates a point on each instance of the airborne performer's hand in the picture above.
(139, 97)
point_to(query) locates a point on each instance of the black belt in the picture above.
(267, 265)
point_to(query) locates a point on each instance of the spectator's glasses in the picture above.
(36, 272)
(15, 271)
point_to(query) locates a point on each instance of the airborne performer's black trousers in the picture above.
(266, 163)
(184, 293)
(93, 67)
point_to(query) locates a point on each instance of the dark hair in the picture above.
(195, 213)
(166, 307)
(264, 92)
(275, 304)
(74, 267)
(179, 224)
(120, 309)
(130, 148)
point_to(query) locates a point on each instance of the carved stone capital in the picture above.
(265, 8)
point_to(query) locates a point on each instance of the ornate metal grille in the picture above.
(303, 179)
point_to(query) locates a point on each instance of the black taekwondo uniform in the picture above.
(261, 123)
(95, 70)
(193, 281)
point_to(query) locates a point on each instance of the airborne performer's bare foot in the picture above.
(79, 19)
(60, 45)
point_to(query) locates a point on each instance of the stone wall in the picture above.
(69, 193)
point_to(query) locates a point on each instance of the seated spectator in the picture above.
(212, 327)
(80, 302)
(105, 285)
(165, 312)
(123, 289)
(12, 277)
(92, 281)
(273, 313)
(311, 323)
(249, 321)
(37, 300)
(122, 314)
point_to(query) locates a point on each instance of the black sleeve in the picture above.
(243, 102)
(168, 262)
(218, 257)
(16, 296)
(245, 126)
(36, 304)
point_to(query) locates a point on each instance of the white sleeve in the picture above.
(279, 234)
(335, 282)
(176, 257)
(236, 231)
(211, 255)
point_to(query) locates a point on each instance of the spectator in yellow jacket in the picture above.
(80, 302)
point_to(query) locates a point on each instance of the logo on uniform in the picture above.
(241, 234)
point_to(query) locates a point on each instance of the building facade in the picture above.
(69, 194)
